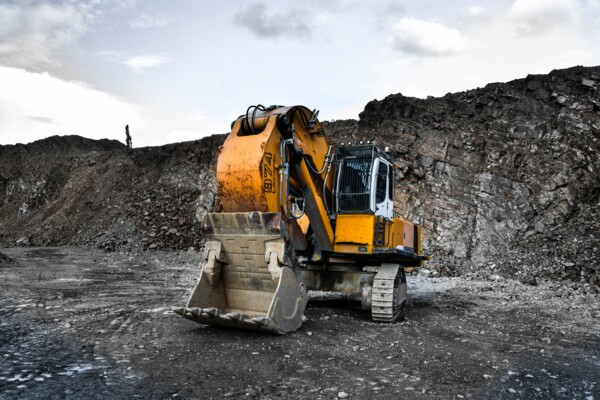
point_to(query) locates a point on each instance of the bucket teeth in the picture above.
(196, 312)
(211, 312)
(234, 316)
(265, 323)
(261, 321)
(178, 310)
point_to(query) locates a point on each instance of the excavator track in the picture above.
(389, 293)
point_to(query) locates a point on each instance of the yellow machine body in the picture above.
(247, 171)
(355, 234)
(278, 233)
(248, 167)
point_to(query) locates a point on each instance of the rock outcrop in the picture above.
(504, 177)
(504, 180)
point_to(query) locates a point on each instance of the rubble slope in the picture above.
(71, 190)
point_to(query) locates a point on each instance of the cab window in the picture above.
(380, 191)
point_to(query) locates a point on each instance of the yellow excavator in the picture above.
(298, 215)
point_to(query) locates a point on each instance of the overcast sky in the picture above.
(181, 70)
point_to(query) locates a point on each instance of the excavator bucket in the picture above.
(248, 280)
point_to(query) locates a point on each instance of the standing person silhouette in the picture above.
(128, 140)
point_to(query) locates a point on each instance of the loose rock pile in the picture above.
(106, 196)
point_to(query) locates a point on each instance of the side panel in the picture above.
(418, 239)
(402, 233)
(397, 232)
(409, 234)
(353, 233)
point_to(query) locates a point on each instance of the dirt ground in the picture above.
(77, 322)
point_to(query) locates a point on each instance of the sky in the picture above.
(181, 70)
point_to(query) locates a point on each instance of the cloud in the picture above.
(37, 105)
(393, 9)
(534, 17)
(256, 19)
(140, 63)
(31, 32)
(146, 21)
(197, 116)
(476, 12)
(387, 13)
(429, 39)
(137, 63)
(493, 54)
(475, 15)
(37, 118)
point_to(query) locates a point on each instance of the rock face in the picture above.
(499, 175)
(504, 179)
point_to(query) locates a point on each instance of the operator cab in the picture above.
(365, 181)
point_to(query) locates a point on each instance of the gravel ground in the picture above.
(77, 322)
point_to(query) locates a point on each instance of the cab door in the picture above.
(384, 189)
